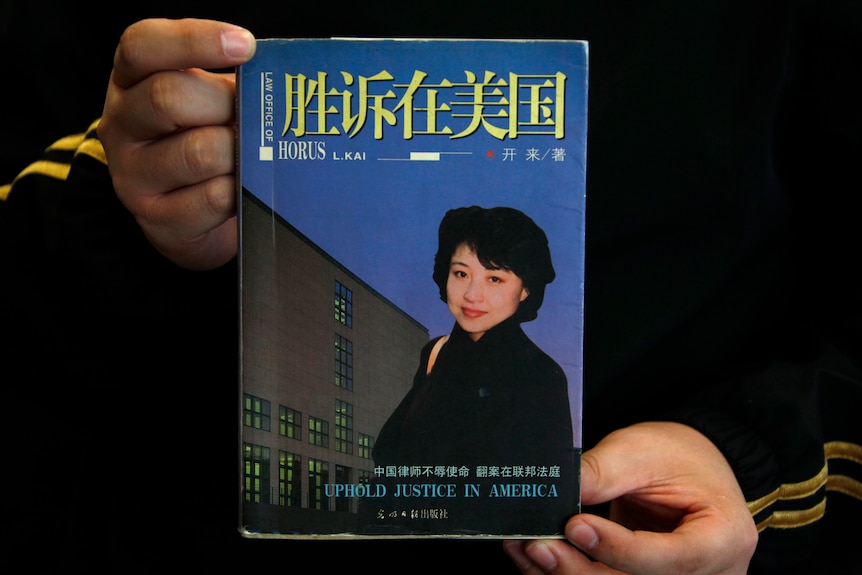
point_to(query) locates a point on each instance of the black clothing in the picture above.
(722, 249)
(499, 402)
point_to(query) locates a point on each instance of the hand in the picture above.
(167, 130)
(675, 508)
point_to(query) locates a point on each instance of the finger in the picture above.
(643, 455)
(194, 227)
(554, 557)
(192, 211)
(514, 548)
(154, 45)
(167, 102)
(619, 548)
(206, 252)
(611, 469)
(686, 550)
(183, 159)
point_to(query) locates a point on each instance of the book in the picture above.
(411, 255)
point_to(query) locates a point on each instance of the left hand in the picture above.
(168, 133)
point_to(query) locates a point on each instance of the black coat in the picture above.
(501, 405)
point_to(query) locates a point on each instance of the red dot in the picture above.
(490, 154)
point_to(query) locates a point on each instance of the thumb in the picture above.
(617, 465)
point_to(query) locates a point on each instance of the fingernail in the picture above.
(541, 554)
(582, 535)
(236, 43)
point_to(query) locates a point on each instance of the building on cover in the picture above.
(325, 359)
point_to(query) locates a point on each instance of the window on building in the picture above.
(365, 444)
(256, 473)
(289, 479)
(343, 362)
(363, 477)
(289, 423)
(343, 304)
(255, 412)
(342, 476)
(318, 476)
(343, 427)
(318, 432)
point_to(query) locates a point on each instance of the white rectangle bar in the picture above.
(425, 156)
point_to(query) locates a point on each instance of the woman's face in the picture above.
(480, 298)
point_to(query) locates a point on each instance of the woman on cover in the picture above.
(485, 395)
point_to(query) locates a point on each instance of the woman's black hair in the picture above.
(501, 238)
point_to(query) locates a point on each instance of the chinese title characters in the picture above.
(505, 107)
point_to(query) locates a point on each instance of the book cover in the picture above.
(411, 286)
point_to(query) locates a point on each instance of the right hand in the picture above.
(676, 508)
(167, 130)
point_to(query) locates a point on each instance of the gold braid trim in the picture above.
(790, 519)
(846, 485)
(54, 170)
(90, 146)
(94, 149)
(843, 450)
(85, 143)
(790, 491)
(843, 483)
